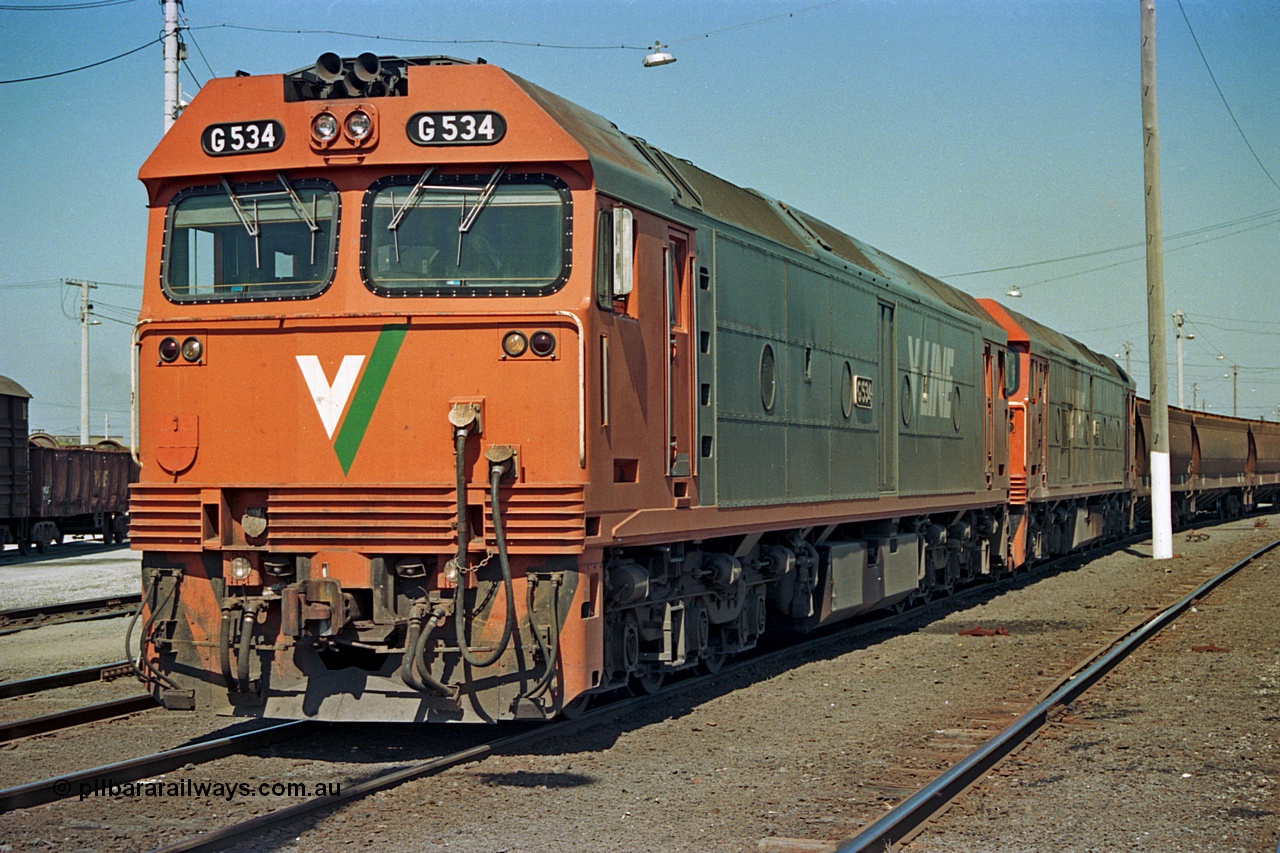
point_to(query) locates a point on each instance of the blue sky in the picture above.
(958, 136)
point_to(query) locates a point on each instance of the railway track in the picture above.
(218, 839)
(910, 816)
(102, 672)
(44, 792)
(22, 619)
(60, 720)
(69, 784)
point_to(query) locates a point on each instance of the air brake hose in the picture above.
(141, 668)
(246, 640)
(460, 482)
(415, 651)
(419, 658)
(224, 647)
(411, 643)
(552, 655)
(495, 477)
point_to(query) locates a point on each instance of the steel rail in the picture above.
(63, 679)
(218, 839)
(24, 618)
(131, 770)
(909, 816)
(75, 717)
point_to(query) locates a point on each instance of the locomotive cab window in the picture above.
(466, 235)
(1012, 375)
(243, 242)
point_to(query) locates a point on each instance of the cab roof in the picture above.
(542, 128)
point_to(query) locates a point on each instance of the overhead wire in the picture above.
(83, 67)
(1194, 232)
(61, 7)
(764, 20)
(1223, 97)
(1167, 251)
(409, 40)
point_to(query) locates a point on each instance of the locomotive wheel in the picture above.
(40, 546)
(646, 685)
(24, 546)
(712, 664)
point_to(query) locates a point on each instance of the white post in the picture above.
(1178, 317)
(1161, 500)
(85, 307)
(171, 57)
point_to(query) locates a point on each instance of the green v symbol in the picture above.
(367, 394)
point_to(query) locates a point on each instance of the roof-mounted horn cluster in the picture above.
(365, 76)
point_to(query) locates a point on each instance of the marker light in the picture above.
(192, 349)
(324, 127)
(358, 125)
(514, 344)
(169, 350)
(542, 343)
(241, 568)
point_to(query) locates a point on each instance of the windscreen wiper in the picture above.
(469, 217)
(398, 214)
(301, 209)
(250, 225)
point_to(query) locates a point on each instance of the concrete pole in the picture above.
(1178, 317)
(85, 287)
(1235, 391)
(1161, 499)
(171, 43)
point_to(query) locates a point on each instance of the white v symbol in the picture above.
(330, 399)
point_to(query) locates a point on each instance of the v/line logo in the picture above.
(331, 397)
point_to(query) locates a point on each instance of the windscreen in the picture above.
(476, 235)
(233, 242)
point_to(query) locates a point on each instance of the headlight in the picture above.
(169, 350)
(514, 344)
(192, 349)
(358, 125)
(241, 568)
(324, 127)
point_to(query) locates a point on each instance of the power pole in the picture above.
(1161, 500)
(172, 55)
(85, 308)
(1127, 347)
(1178, 317)
(1235, 391)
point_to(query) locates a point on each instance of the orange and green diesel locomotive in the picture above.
(457, 403)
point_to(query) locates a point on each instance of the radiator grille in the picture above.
(390, 519)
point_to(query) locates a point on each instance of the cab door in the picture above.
(889, 402)
(679, 362)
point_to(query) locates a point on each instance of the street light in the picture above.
(660, 56)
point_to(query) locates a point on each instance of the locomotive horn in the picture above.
(367, 67)
(329, 66)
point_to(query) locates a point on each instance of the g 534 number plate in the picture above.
(246, 137)
(473, 128)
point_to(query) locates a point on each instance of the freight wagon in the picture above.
(48, 491)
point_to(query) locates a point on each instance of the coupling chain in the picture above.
(472, 569)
